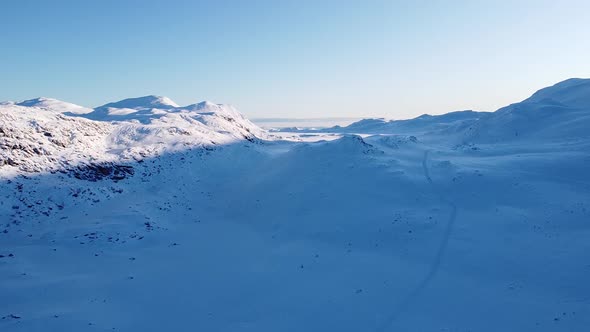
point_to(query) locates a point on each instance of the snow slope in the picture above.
(424, 124)
(317, 232)
(33, 139)
(49, 135)
(561, 111)
(54, 105)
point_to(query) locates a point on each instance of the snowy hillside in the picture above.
(423, 124)
(561, 111)
(50, 135)
(143, 215)
(35, 139)
(54, 105)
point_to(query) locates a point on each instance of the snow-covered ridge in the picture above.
(55, 105)
(573, 92)
(45, 134)
(423, 124)
(558, 112)
(143, 102)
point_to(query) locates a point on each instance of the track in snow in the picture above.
(434, 267)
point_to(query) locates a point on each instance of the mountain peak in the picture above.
(54, 105)
(204, 105)
(35, 102)
(144, 102)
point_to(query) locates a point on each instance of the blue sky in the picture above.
(301, 58)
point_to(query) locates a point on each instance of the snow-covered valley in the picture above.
(142, 215)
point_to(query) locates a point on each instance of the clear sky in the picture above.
(302, 58)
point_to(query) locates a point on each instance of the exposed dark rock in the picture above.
(96, 172)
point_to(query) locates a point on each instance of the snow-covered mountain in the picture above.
(423, 125)
(55, 105)
(145, 102)
(49, 135)
(573, 92)
(561, 111)
(143, 215)
(34, 139)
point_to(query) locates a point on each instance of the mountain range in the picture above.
(143, 215)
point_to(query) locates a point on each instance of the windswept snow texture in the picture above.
(143, 215)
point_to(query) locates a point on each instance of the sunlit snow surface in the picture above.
(469, 222)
